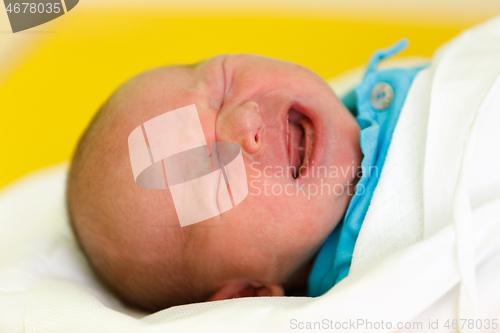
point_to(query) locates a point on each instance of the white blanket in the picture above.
(429, 248)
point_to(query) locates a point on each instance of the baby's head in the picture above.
(281, 115)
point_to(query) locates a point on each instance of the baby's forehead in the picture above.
(153, 83)
(175, 86)
(167, 88)
(144, 97)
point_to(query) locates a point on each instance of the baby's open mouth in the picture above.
(300, 140)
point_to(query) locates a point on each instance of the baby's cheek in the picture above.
(298, 215)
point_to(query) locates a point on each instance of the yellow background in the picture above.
(51, 90)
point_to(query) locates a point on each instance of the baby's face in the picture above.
(285, 118)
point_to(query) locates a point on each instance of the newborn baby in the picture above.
(281, 115)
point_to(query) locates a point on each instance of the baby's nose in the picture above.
(241, 125)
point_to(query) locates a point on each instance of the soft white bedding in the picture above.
(434, 221)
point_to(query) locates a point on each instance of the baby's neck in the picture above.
(297, 284)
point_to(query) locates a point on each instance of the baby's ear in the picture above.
(247, 288)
